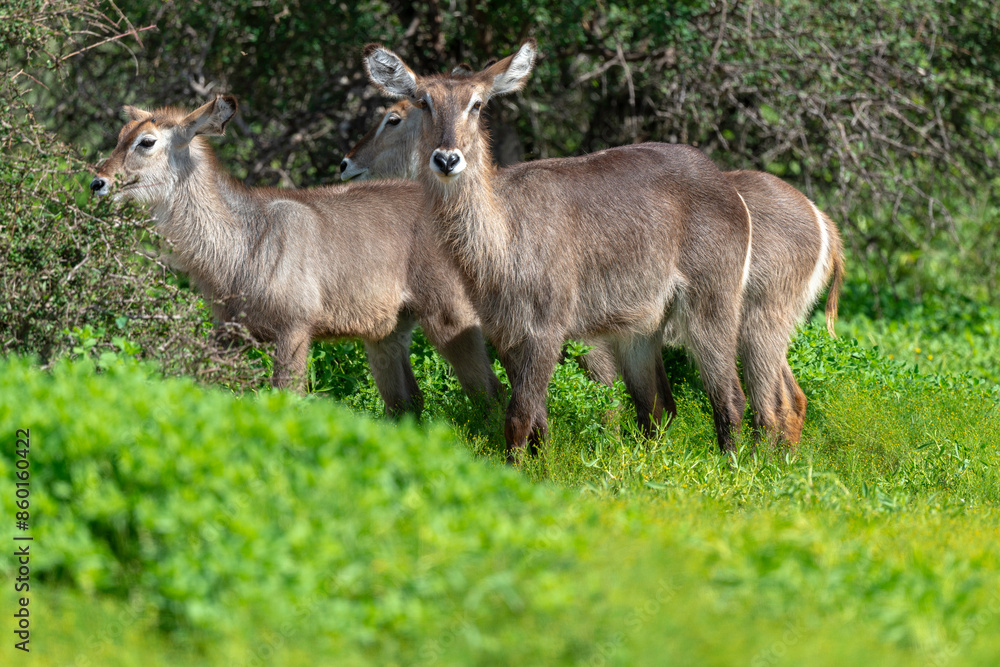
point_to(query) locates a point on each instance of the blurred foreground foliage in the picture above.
(176, 524)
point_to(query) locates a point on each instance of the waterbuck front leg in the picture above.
(529, 367)
(646, 380)
(290, 357)
(389, 361)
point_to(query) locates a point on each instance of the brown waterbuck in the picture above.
(796, 249)
(616, 245)
(297, 265)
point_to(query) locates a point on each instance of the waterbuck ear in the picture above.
(135, 113)
(388, 71)
(210, 118)
(511, 73)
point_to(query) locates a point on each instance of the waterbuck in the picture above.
(613, 245)
(796, 249)
(297, 265)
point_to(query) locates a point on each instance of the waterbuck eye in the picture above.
(393, 120)
(477, 106)
(147, 142)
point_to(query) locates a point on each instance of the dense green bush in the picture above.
(78, 275)
(884, 112)
(195, 496)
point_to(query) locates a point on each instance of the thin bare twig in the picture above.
(109, 39)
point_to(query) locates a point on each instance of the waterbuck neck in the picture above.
(209, 220)
(473, 220)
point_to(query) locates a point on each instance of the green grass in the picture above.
(944, 333)
(180, 525)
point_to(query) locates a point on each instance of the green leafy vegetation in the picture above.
(937, 336)
(222, 527)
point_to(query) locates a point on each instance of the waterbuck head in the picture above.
(390, 149)
(452, 134)
(156, 148)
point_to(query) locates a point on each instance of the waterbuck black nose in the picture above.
(441, 160)
(343, 165)
(98, 184)
(446, 161)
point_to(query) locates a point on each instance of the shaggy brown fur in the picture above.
(615, 245)
(790, 264)
(297, 265)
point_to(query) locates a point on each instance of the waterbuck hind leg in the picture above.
(797, 415)
(389, 360)
(465, 349)
(778, 403)
(291, 355)
(646, 380)
(713, 340)
(529, 367)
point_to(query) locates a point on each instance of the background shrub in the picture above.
(883, 112)
(78, 275)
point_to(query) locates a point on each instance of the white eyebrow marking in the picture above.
(385, 119)
(472, 103)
